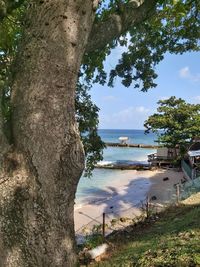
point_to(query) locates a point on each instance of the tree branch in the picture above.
(129, 14)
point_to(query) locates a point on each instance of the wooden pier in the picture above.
(125, 167)
(132, 145)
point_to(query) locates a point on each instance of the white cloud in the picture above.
(185, 73)
(109, 98)
(196, 99)
(131, 117)
(142, 109)
(130, 112)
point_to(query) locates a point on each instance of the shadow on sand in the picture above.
(126, 200)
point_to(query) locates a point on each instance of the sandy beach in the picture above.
(124, 196)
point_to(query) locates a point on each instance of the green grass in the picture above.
(172, 240)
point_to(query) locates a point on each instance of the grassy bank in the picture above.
(173, 239)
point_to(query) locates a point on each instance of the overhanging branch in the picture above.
(129, 14)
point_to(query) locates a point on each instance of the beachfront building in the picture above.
(191, 162)
(123, 140)
(163, 156)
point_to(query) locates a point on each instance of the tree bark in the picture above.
(3, 141)
(43, 169)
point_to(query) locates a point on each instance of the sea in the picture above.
(102, 178)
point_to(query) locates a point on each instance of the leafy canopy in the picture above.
(88, 120)
(174, 27)
(176, 122)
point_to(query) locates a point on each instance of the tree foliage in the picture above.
(10, 32)
(176, 122)
(173, 28)
(7, 7)
(87, 118)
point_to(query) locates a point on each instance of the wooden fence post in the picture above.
(147, 207)
(103, 225)
(178, 193)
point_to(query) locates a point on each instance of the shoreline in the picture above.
(123, 196)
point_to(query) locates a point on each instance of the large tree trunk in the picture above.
(42, 171)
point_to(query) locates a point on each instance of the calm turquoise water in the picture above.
(135, 136)
(101, 177)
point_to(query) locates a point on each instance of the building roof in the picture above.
(123, 138)
(194, 153)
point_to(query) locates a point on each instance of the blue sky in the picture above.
(128, 108)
